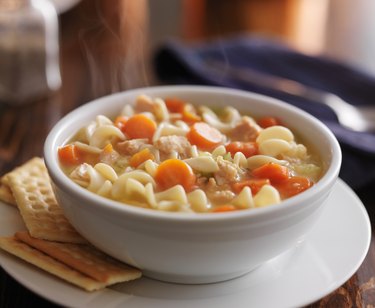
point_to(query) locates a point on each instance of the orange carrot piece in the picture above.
(254, 184)
(274, 172)
(189, 114)
(247, 148)
(139, 126)
(293, 186)
(175, 105)
(268, 122)
(69, 155)
(204, 136)
(141, 157)
(172, 172)
(187, 111)
(224, 208)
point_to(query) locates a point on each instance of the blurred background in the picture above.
(342, 29)
(134, 30)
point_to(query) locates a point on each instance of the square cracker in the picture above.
(6, 195)
(85, 259)
(45, 262)
(43, 217)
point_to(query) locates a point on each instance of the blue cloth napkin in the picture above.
(178, 63)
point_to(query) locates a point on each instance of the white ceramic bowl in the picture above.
(194, 248)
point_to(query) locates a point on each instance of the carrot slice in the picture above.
(268, 122)
(204, 136)
(274, 172)
(254, 184)
(187, 111)
(189, 114)
(224, 208)
(175, 105)
(247, 148)
(293, 186)
(173, 172)
(139, 126)
(141, 157)
(69, 155)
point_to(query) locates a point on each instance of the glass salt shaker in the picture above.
(29, 51)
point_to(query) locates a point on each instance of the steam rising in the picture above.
(120, 60)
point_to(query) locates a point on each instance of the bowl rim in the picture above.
(60, 179)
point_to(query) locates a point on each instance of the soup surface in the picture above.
(170, 155)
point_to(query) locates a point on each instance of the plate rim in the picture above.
(42, 292)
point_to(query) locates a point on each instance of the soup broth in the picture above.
(170, 155)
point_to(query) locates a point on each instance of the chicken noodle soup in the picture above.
(170, 155)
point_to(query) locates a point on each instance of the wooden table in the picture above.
(92, 63)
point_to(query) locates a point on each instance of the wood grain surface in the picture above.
(96, 60)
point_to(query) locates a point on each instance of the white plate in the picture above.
(331, 254)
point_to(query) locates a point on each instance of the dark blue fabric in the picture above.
(176, 63)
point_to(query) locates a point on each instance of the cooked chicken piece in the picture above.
(245, 130)
(110, 157)
(80, 175)
(217, 193)
(178, 144)
(130, 147)
(221, 196)
(228, 172)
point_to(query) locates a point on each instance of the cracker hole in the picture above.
(49, 201)
(31, 198)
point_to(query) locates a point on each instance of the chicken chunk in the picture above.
(109, 157)
(245, 130)
(215, 192)
(228, 172)
(179, 144)
(80, 175)
(130, 147)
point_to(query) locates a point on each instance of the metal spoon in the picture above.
(357, 118)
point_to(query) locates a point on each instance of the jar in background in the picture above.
(29, 51)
